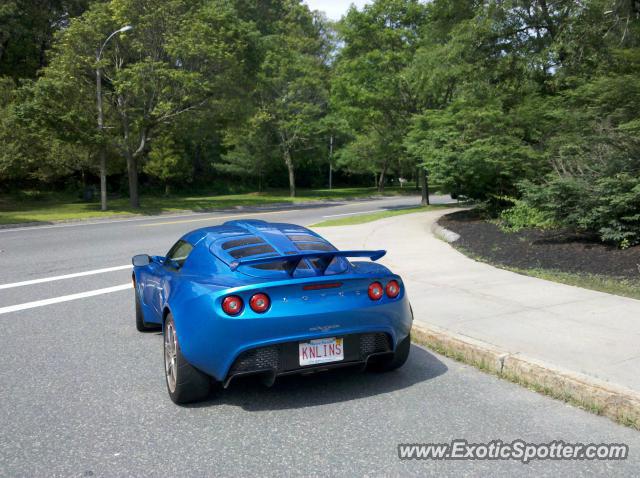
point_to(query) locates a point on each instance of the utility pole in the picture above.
(102, 153)
(330, 162)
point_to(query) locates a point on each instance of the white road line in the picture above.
(352, 213)
(66, 276)
(63, 298)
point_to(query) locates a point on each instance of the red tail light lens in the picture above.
(375, 291)
(232, 305)
(260, 303)
(393, 289)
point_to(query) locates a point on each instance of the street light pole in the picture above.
(102, 153)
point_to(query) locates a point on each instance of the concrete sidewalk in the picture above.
(574, 329)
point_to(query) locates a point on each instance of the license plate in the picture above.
(321, 351)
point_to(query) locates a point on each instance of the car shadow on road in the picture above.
(341, 385)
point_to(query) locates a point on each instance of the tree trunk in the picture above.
(103, 179)
(425, 188)
(132, 174)
(382, 177)
(167, 189)
(292, 177)
(330, 163)
(131, 156)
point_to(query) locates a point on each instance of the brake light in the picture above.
(393, 289)
(259, 303)
(232, 305)
(375, 291)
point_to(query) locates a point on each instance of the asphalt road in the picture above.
(83, 393)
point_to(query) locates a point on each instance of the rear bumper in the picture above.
(283, 359)
(214, 344)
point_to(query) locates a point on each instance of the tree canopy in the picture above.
(518, 103)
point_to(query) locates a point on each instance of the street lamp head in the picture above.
(125, 28)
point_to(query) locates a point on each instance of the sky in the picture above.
(334, 8)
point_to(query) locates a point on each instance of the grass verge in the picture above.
(362, 218)
(611, 285)
(46, 207)
(620, 405)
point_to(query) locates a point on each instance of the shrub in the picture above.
(608, 206)
(523, 215)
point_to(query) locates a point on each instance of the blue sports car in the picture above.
(267, 299)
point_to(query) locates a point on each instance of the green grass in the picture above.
(611, 285)
(29, 206)
(362, 218)
(530, 380)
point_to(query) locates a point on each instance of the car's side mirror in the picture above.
(141, 260)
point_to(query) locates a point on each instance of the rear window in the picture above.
(253, 246)
(251, 251)
(245, 241)
(304, 238)
(314, 246)
(333, 267)
(278, 266)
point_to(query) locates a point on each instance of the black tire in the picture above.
(188, 384)
(141, 325)
(398, 359)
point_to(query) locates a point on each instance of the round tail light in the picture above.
(259, 303)
(393, 289)
(375, 291)
(232, 305)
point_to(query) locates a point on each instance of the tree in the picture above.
(289, 98)
(485, 76)
(27, 29)
(181, 57)
(369, 85)
(291, 90)
(167, 162)
(29, 149)
(250, 148)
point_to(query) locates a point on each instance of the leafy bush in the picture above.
(523, 215)
(476, 151)
(609, 206)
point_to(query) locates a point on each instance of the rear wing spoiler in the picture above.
(290, 262)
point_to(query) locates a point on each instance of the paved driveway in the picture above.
(576, 329)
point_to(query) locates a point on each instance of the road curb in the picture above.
(444, 234)
(597, 396)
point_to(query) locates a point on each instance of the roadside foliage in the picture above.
(532, 100)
